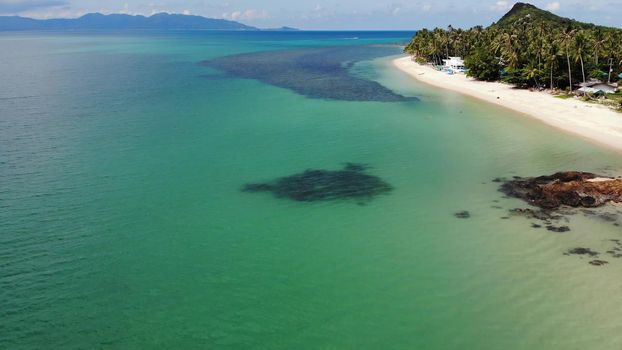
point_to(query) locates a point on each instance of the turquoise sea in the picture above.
(123, 224)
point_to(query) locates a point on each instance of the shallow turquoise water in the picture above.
(122, 223)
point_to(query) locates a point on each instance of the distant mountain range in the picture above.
(98, 21)
(282, 29)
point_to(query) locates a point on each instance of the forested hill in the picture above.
(528, 47)
(521, 10)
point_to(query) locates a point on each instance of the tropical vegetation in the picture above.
(528, 47)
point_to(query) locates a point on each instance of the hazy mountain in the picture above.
(282, 29)
(93, 21)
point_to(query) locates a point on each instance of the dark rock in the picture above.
(582, 251)
(598, 262)
(614, 254)
(611, 217)
(321, 185)
(462, 214)
(559, 229)
(570, 188)
(541, 214)
(535, 225)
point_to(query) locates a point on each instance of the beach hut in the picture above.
(597, 87)
(454, 65)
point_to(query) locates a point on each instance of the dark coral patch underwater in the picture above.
(351, 182)
(313, 72)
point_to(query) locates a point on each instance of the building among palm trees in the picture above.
(453, 64)
(597, 87)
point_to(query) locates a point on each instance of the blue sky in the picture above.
(325, 14)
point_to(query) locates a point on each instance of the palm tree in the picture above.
(611, 49)
(566, 39)
(551, 50)
(506, 46)
(598, 45)
(532, 72)
(580, 49)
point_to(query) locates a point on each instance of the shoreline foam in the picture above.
(598, 124)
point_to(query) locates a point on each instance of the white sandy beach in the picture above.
(596, 123)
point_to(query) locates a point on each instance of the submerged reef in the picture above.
(465, 214)
(351, 182)
(315, 72)
(581, 251)
(570, 188)
(558, 229)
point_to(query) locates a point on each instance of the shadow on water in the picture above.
(317, 73)
(321, 185)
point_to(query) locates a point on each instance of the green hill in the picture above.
(522, 11)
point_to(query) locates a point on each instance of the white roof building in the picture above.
(454, 63)
(595, 86)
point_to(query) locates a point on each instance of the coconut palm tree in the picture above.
(580, 49)
(598, 44)
(566, 40)
(532, 72)
(505, 45)
(551, 51)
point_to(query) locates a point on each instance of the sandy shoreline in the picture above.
(598, 124)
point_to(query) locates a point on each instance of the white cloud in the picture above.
(552, 6)
(426, 8)
(500, 6)
(16, 6)
(250, 14)
(53, 13)
(394, 9)
(318, 12)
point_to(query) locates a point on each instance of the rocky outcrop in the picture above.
(462, 214)
(570, 188)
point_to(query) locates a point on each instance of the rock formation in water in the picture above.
(570, 188)
(558, 229)
(582, 251)
(320, 185)
(462, 214)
